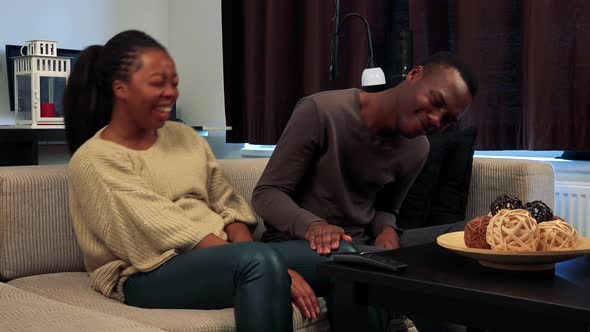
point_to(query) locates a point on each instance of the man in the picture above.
(347, 158)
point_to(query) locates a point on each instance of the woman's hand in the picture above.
(303, 296)
(238, 232)
(209, 241)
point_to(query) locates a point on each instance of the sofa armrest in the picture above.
(491, 177)
(36, 233)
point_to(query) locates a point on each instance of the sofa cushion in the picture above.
(243, 174)
(24, 311)
(416, 206)
(452, 188)
(36, 235)
(74, 289)
(440, 192)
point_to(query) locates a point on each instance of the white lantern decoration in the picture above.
(40, 78)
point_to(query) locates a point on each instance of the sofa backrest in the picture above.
(36, 235)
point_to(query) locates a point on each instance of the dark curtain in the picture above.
(531, 58)
(276, 52)
(556, 80)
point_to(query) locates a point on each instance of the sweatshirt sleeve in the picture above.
(135, 223)
(296, 150)
(391, 197)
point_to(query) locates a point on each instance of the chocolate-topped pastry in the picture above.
(505, 201)
(539, 210)
(475, 232)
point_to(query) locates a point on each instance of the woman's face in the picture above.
(151, 91)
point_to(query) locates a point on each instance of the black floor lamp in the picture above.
(372, 75)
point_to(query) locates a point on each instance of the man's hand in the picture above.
(303, 296)
(324, 237)
(238, 232)
(387, 239)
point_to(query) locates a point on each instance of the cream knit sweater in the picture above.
(134, 210)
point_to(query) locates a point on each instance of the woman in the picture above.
(157, 222)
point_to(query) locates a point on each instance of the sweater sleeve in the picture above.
(135, 223)
(296, 150)
(223, 198)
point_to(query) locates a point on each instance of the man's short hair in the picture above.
(451, 60)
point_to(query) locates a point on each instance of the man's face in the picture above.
(431, 100)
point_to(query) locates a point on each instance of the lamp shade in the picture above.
(373, 76)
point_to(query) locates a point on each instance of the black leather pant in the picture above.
(252, 277)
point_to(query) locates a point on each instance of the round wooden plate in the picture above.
(512, 260)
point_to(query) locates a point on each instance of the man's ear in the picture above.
(119, 89)
(415, 73)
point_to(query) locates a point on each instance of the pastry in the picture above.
(513, 230)
(557, 235)
(475, 232)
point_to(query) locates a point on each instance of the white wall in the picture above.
(196, 45)
(74, 24)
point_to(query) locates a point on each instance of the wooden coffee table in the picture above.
(445, 286)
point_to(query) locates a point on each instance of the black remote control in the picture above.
(369, 259)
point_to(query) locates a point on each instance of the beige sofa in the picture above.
(44, 286)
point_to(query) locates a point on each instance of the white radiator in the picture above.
(572, 203)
